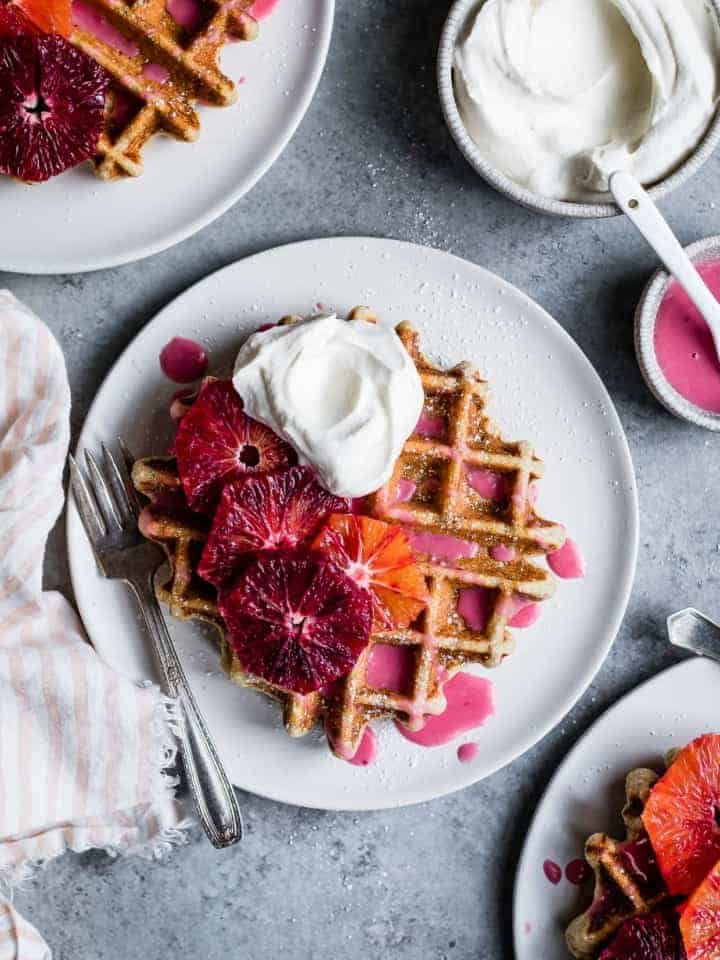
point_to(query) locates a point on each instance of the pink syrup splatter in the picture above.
(367, 752)
(470, 702)
(567, 562)
(525, 613)
(155, 72)
(684, 345)
(503, 553)
(390, 668)
(187, 13)
(431, 426)
(261, 9)
(441, 547)
(404, 491)
(183, 360)
(89, 20)
(577, 872)
(488, 483)
(467, 752)
(475, 606)
(553, 871)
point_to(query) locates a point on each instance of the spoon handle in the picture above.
(645, 216)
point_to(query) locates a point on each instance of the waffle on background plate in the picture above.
(442, 502)
(627, 880)
(139, 105)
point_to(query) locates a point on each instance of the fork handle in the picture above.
(211, 790)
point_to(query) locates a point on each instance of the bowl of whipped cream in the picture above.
(547, 98)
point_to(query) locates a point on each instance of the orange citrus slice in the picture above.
(700, 919)
(682, 815)
(378, 557)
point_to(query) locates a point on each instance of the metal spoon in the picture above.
(647, 219)
(693, 631)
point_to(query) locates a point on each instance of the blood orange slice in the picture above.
(294, 619)
(651, 937)
(217, 443)
(267, 512)
(700, 920)
(378, 557)
(49, 16)
(682, 815)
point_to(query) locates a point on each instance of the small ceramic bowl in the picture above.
(645, 317)
(459, 20)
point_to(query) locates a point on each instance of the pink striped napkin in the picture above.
(82, 749)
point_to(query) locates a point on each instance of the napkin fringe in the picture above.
(166, 727)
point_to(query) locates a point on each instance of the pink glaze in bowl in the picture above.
(646, 317)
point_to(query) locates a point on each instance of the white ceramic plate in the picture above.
(76, 223)
(544, 390)
(587, 793)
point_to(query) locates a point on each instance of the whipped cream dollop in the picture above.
(345, 394)
(558, 94)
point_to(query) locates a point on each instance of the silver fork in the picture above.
(109, 510)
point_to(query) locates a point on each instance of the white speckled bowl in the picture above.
(458, 21)
(645, 316)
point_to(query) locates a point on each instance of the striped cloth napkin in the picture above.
(82, 749)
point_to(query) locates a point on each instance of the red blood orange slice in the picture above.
(295, 620)
(268, 512)
(216, 443)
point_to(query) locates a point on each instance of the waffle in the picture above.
(138, 106)
(439, 643)
(627, 880)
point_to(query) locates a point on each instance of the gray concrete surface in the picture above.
(430, 882)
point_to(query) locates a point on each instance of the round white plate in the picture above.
(544, 390)
(76, 222)
(587, 793)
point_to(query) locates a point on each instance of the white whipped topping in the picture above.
(558, 94)
(345, 394)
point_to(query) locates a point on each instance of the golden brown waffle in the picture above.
(627, 880)
(139, 106)
(439, 643)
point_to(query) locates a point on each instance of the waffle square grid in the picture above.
(139, 106)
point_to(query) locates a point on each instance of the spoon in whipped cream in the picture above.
(634, 201)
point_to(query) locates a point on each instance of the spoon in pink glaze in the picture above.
(636, 204)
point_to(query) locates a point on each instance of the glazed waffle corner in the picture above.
(440, 642)
(624, 887)
(140, 106)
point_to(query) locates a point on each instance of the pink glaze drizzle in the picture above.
(503, 553)
(367, 752)
(89, 20)
(467, 752)
(490, 485)
(684, 346)
(577, 872)
(553, 871)
(441, 547)
(390, 667)
(183, 360)
(261, 9)
(470, 703)
(567, 562)
(155, 72)
(187, 13)
(475, 604)
(431, 426)
(474, 607)
(404, 491)
(526, 613)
